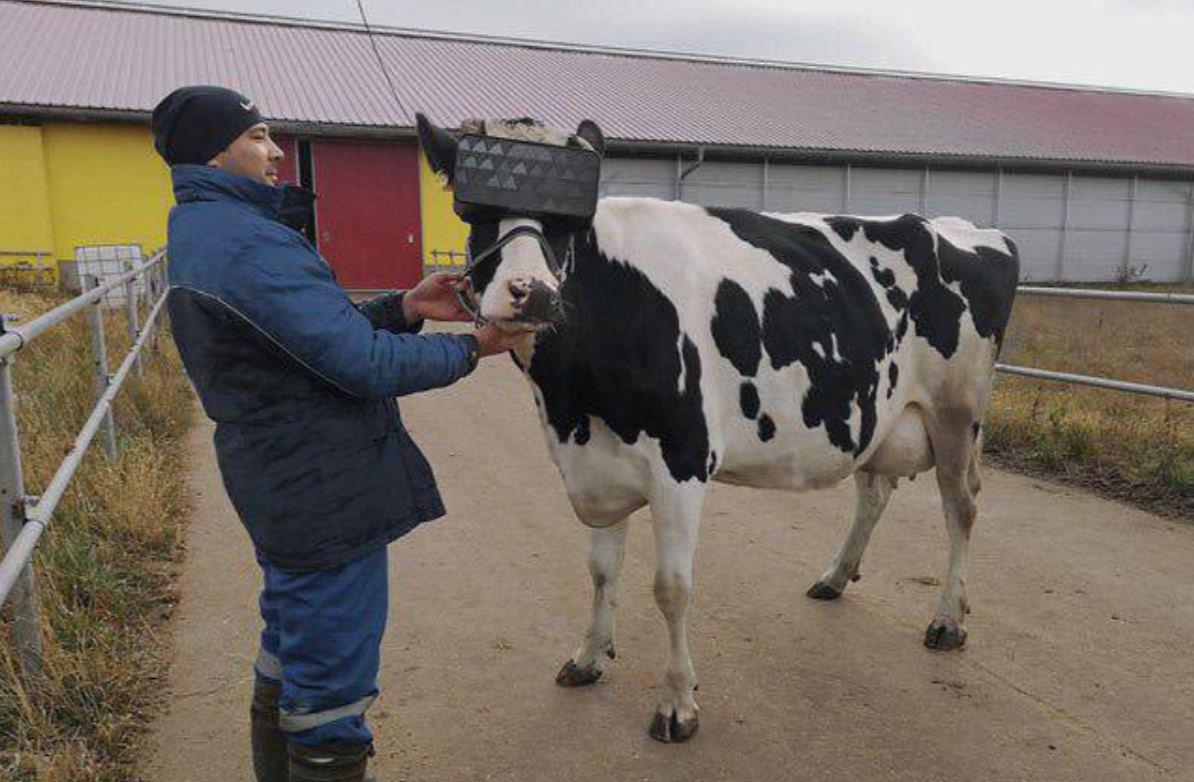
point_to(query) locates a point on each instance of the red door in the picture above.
(367, 214)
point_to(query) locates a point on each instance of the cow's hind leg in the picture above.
(958, 479)
(607, 547)
(873, 493)
(677, 519)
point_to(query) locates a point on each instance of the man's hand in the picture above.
(491, 340)
(435, 299)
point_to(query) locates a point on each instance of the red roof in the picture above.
(117, 59)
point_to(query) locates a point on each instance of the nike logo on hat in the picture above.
(247, 106)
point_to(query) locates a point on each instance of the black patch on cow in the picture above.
(975, 428)
(936, 309)
(615, 357)
(480, 238)
(987, 278)
(846, 309)
(893, 376)
(843, 229)
(748, 397)
(736, 330)
(897, 298)
(712, 462)
(902, 327)
(766, 428)
(885, 277)
(583, 432)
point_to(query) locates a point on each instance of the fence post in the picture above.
(160, 286)
(100, 351)
(130, 313)
(26, 625)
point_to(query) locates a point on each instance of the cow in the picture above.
(677, 345)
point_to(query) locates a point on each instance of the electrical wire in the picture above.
(380, 62)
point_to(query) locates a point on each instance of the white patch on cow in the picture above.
(820, 279)
(606, 479)
(516, 130)
(820, 351)
(685, 253)
(837, 356)
(681, 381)
(965, 235)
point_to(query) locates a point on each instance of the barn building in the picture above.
(1094, 184)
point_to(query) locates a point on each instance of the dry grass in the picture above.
(1130, 447)
(104, 568)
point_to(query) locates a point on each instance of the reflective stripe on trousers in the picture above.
(268, 666)
(297, 722)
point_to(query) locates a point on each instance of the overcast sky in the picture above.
(1138, 44)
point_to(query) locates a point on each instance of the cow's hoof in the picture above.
(573, 675)
(945, 634)
(671, 729)
(823, 591)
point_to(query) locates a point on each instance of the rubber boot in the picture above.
(338, 762)
(270, 762)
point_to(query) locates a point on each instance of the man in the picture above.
(301, 384)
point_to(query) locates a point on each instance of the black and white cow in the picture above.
(770, 350)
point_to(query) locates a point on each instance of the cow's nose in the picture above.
(535, 300)
(520, 289)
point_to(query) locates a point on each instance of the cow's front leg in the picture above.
(677, 519)
(607, 547)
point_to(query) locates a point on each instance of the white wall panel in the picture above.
(1031, 207)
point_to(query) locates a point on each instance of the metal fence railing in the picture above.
(1179, 394)
(27, 265)
(23, 518)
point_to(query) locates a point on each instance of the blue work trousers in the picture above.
(322, 641)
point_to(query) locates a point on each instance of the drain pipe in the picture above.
(683, 174)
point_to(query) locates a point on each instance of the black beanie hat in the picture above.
(194, 124)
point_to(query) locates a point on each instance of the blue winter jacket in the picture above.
(299, 380)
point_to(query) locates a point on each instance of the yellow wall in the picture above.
(107, 186)
(442, 229)
(68, 184)
(25, 222)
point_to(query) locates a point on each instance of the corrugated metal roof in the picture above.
(96, 58)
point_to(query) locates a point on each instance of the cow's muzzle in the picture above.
(534, 301)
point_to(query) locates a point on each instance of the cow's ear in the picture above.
(588, 130)
(439, 146)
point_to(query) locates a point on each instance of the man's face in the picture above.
(253, 154)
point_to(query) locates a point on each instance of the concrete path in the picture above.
(1080, 664)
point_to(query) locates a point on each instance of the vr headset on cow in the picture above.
(495, 177)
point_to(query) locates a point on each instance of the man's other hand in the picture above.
(435, 299)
